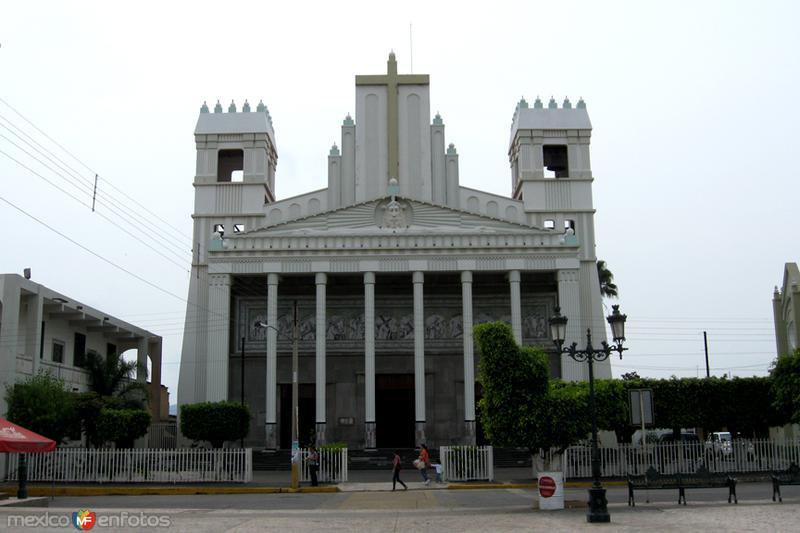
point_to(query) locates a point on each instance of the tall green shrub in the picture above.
(215, 422)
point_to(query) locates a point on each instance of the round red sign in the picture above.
(547, 486)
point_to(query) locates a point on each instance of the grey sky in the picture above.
(693, 150)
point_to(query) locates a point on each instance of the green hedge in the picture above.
(215, 422)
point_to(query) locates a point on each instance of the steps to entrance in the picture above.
(381, 459)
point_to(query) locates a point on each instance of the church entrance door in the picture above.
(306, 404)
(394, 410)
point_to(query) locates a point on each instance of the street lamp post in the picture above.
(295, 399)
(598, 505)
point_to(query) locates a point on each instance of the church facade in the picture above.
(389, 268)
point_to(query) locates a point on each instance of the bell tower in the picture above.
(235, 178)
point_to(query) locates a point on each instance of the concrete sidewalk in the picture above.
(271, 482)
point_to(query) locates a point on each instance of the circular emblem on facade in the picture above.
(547, 486)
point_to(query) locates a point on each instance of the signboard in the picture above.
(640, 406)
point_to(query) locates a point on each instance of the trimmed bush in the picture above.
(215, 422)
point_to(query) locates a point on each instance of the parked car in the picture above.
(720, 444)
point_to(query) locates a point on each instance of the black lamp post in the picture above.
(598, 505)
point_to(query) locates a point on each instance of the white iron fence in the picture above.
(137, 465)
(742, 456)
(467, 463)
(332, 465)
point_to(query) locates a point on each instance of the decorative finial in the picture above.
(391, 54)
(567, 104)
(581, 104)
(522, 103)
(218, 107)
(334, 150)
(232, 107)
(261, 108)
(437, 120)
(537, 104)
(204, 108)
(451, 149)
(246, 106)
(552, 104)
(348, 121)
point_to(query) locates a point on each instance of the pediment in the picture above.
(387, 215)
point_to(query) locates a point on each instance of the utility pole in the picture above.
(705, 344)
(241, 443)
(295, 414)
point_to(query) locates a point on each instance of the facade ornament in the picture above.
(567, 104)
(246, 107)
(218, 107)
(581, 104)
(232, 107)
(261, 108)
(204, 108)
(437, 120)
(552, 104)
(348, 121)
(537, 104)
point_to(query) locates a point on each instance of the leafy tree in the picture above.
(122, 426)
(519, 408)
(608, 288)
(215, 422)
(785, 375)
(42, 404)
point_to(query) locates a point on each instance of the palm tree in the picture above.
(608, 288)
(112, 376)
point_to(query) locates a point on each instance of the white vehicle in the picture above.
(720, 443)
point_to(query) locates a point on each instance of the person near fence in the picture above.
(396, 471)
(423, 462)
(438, 468)
(313, 465)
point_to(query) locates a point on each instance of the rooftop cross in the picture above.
(392, 81)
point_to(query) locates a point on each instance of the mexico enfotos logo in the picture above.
(85, 520)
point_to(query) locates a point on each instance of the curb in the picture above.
(34, 490)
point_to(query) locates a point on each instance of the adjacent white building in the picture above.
(786, 311)
(44, 330)
(391, 266)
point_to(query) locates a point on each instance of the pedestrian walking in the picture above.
(396, 471)
(313, 465)
(438, 468)
(423, 462)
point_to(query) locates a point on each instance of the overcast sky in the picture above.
(694, 149)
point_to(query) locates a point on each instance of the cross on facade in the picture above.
(393, 81)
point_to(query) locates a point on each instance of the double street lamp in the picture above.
(598, 505)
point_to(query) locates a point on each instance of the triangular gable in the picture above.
(406, 215)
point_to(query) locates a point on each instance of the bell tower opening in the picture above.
(555, 161)
(230, 166)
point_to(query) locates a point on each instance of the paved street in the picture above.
(437, 510)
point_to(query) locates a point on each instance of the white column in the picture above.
(419, 357)
(469, 359)
(10, 342)
(272, 363)
(369, 360)
(141, 359)
(569, 301)
(219, 304)
(516, 305)
(33, 341)
(320, 333)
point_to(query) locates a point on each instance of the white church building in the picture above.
(391, 266)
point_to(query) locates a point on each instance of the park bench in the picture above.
(701, 479)
(790, 476)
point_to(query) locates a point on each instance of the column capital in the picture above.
(466, 276)
(514, 276)
(369, 278)
(565, 275)
(272, 279)
(418, 277)
(321, 278)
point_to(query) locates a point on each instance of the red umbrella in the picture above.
(17, 439)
